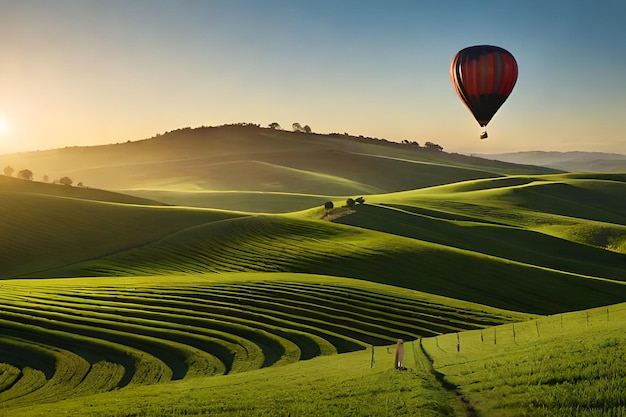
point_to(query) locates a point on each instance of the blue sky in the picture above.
(89, 72)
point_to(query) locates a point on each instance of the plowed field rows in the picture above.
(62, 341)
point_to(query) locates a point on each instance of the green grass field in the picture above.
(223, 287)
(569, 365)
(94, 335)
(325, 386)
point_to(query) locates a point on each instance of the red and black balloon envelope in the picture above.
(483, 77)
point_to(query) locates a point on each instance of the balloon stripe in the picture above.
(499, 68)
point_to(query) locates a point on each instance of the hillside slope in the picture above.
(45, 226)
(493, 242)
(249, 158)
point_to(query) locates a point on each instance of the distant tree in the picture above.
(360, 200)
(80, 184)
(329, 205)
(66, 181)
(306, 129)
(433, 146)
(8, 170)
(274, 125)
(297, 127)
(25, 174)
(45, 178)
(350, 202)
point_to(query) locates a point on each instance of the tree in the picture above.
(433, 146)
(306, 129)
(274, 125)
(45, 178)
(360, 200)
(329, 205)
(350, 202)
(297, 127)
(25, 174)
(8, 170)
(66, 181)
(80, 184)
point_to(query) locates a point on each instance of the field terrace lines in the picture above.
(68, 340)
(253, 243)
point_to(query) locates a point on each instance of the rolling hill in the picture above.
(565, 161)
(188, 166)
(224, 261)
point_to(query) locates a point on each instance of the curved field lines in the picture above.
(60, 341)
(253, 243)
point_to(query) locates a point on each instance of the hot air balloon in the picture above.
(483, 76)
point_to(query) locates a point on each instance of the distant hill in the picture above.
(10, 185)
(189, 166)
(565, 161)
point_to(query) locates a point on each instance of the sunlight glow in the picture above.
(4, 125)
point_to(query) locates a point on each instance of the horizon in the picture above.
(85, 73)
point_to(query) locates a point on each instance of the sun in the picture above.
(4, 125)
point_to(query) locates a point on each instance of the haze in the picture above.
(92, 72)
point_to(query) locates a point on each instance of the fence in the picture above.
(532, 330)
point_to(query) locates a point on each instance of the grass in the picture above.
(86, 336)
(480, 241)
(216, 312)
(38, 232)
(254, 201)
(253, 159)
(337, 385)
(569, 364)
(289, 244)
(566, 365)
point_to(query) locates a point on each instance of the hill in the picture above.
(565, 161)
(103, 292)
(517, 243)
(73, 337)
(25, 187)
(558, 366)
(187, 166)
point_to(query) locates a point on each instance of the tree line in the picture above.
(27, 174)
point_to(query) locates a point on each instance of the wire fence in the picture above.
(532, 330)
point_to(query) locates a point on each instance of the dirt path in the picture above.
(422, 358)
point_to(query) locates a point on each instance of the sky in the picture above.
(89, 72)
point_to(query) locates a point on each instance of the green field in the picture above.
(222, 286)
(566, 365)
